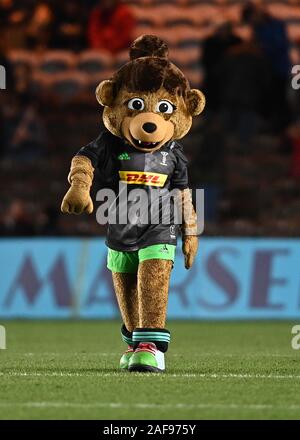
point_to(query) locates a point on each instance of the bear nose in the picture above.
(149, 127)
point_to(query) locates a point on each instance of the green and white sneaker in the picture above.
(124, 361)
(146, 358)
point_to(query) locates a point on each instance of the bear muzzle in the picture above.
(147, 130)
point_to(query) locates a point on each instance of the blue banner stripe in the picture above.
(39, 277)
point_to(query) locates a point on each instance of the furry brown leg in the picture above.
(153, 288)
(125, 285)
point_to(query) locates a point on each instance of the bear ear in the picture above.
(104, 93)
(195, 102)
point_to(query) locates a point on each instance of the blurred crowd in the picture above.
(244, 151)
(69, 24)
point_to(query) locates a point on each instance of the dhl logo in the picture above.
(142, 178)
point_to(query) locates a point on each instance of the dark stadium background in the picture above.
(244, 151)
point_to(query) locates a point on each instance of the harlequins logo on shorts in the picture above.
(124, 156)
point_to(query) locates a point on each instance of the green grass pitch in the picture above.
(69, 370)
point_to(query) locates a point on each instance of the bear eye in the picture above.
(165, 107)
(136, 104)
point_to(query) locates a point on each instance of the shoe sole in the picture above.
(144, 369)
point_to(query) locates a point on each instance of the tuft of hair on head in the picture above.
(148, 46)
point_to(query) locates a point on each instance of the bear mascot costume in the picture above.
(148, 105)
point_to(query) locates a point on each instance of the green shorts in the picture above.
(127, 262)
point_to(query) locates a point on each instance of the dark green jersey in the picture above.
(157, 173)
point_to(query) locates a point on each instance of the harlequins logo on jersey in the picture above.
(124, 156)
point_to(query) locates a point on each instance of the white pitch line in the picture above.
(49, 353)
(229, 406)
(200, 354)
(170, 355)
(163, 376)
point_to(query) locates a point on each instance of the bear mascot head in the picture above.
(148, 101)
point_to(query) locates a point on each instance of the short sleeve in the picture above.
(96, 150)
(179, 178)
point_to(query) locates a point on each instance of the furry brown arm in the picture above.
(77, 199)
(188, 228)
